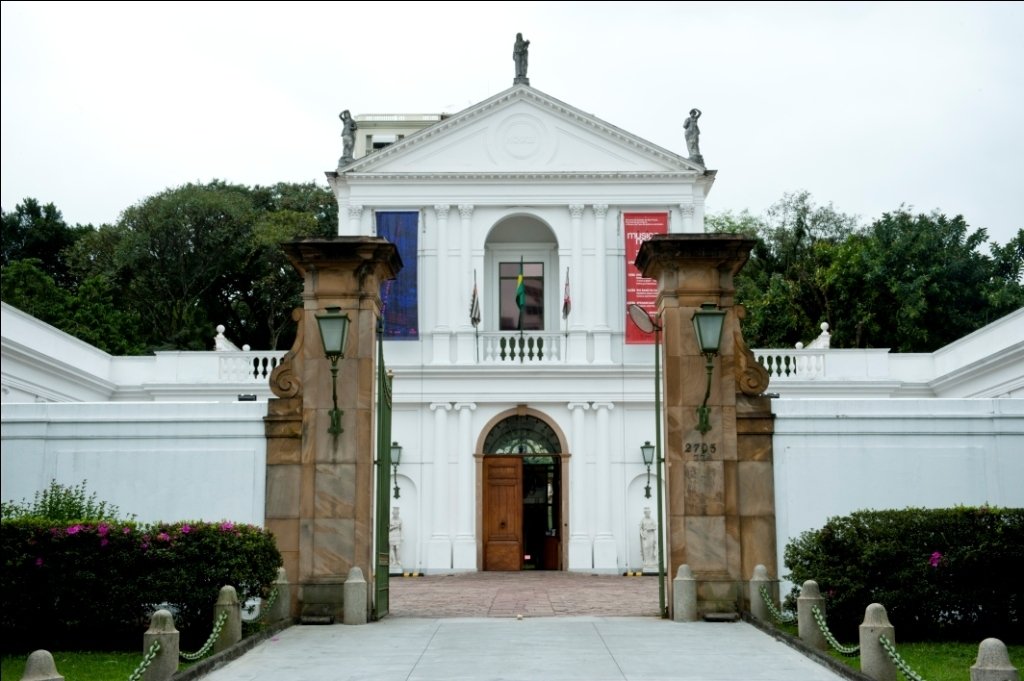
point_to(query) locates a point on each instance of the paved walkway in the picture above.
(466, 627)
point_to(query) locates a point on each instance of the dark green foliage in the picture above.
(174, 266)
(909, 282)
(81, 585)
(38, 232)
(62, 503)
(942, 574)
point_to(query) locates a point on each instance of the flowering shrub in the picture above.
(95, 584)
(942, 574)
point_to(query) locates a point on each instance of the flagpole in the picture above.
(476, 327)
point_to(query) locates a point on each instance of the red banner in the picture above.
(638, 228)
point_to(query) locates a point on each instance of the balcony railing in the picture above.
(513, 347)
(792, 364)
(248, 366)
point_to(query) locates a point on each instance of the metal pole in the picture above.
(660, 460)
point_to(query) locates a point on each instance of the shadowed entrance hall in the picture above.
(530, 594)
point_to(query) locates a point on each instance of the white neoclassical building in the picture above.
(519, 185)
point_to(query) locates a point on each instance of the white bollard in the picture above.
(874, 661)
(758, 608)
(993, 663)
(161, 630)
(354, 607)
(227, 602)
(41, 667)
(684, 595)
(809, 631)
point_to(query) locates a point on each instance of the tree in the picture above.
(38, 232)
(915, 283)
(908, 282)
(781, 285)
(180, 250)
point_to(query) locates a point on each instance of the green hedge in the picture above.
(942, 574)
(94, 584)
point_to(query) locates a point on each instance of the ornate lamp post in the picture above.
(646, 323)
(333, 326)
(707, 323)
(396, 458)
(647, 451)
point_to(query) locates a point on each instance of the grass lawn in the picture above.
(932, 661)
(76, 666)
(940, 661)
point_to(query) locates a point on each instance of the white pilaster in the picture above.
(579, 304)
(687, 211)
(581, 555)
(464, 549)
(442, 353)
(605, 554)
(465, 276)
(354, 220)
(602, 332)
(439, 548)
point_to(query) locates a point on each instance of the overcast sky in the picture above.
(865, 105)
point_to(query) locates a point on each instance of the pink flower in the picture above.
(227, 526)
(185, 529)
(145, 546)
(126, 530)
(103, 529)
(935, 559)
(163, 536)
(74, 529)
(104, 541)
(39, 562)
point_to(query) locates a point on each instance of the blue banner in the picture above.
(398, 296)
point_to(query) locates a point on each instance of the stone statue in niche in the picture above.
(520, 55)
(348, 137)
(395, 541)
(648, 542)
(693, 136)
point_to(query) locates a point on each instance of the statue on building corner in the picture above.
(520, 55)
(693, 136)
(649, 542)
(348, 137)
(395, 542)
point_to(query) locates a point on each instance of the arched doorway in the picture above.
(523, 517)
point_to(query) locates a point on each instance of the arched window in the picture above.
(521, 435)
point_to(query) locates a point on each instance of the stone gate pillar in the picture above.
(320, 486)
(720, 502)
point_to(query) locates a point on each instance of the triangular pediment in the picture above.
(521, 131)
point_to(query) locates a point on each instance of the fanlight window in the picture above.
(522, 435)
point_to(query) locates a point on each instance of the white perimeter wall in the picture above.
(160, 461)
(833, 457)
(190, 461)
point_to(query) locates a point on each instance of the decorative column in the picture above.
(354, 224)
(605, 554)
(581, 556)
(464, 550)
(720, 484)
(601, 330)
(439, 549)
(441, 307)
(687, 210)
(577, 343)
(319, 486)
(466, 346)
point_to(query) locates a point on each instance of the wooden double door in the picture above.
(522, 512)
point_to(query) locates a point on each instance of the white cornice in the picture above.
(504, 178)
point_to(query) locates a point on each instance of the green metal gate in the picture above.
(382, 564)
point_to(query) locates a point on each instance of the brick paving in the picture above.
(530, 594)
